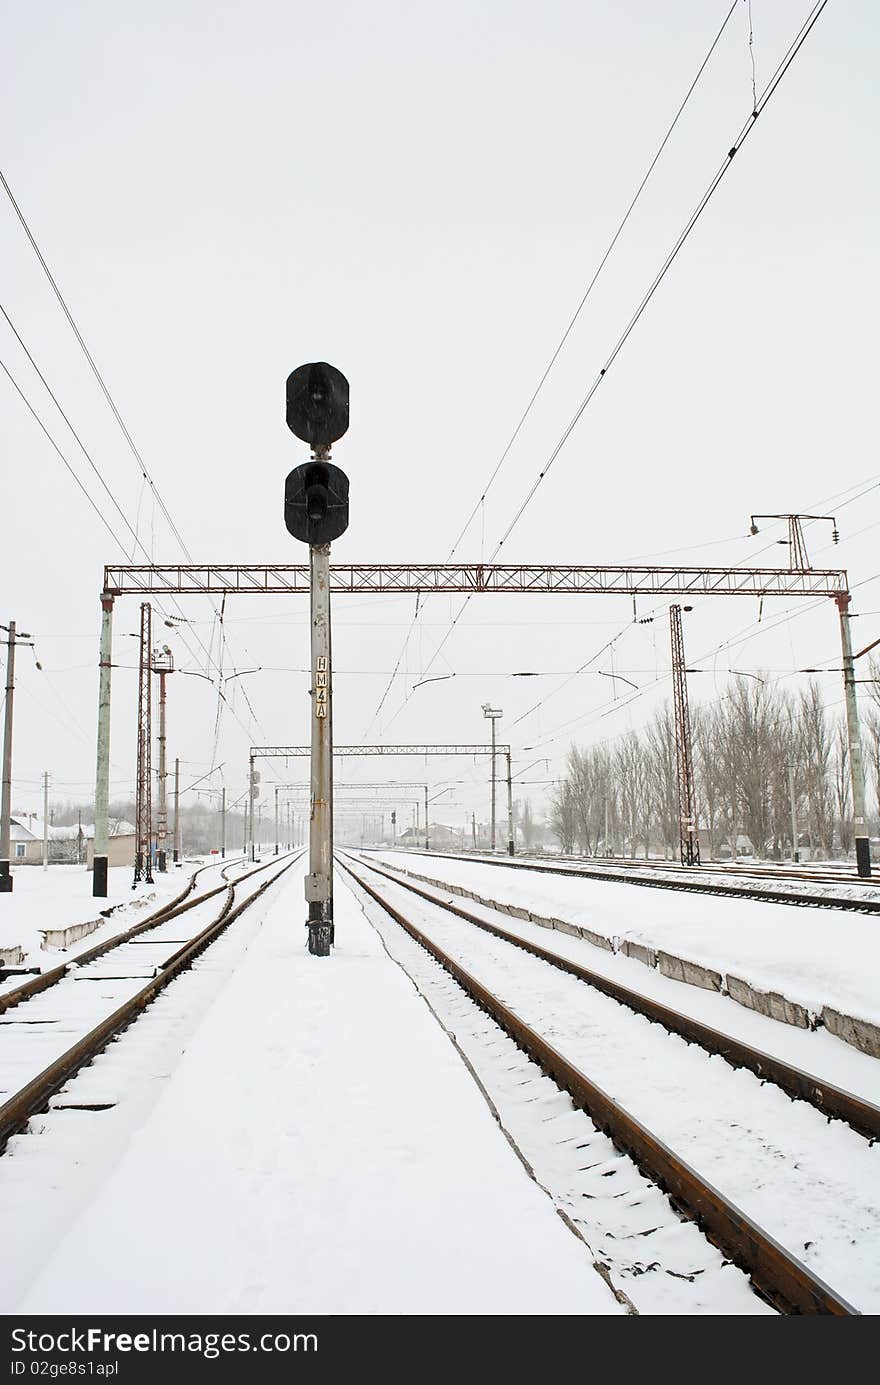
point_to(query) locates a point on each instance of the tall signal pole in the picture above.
(45, 819)
(689, 844)
(316, 513)
(143, 861)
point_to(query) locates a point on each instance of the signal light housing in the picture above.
(317, 403)
(316, 502)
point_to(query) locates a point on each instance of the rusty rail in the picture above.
(35, 1097)
(173, 909)
(775, 1274)
(862, 1115)
(713, 887)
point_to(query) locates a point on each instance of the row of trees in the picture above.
(754, 751)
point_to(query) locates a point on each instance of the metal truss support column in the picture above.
(162, 814)
(687, 814)
(102, 772)
(143, 861)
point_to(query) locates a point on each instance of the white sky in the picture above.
(420, 195)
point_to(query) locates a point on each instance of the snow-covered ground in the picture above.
(812, 1050)
(814, 957)
(809, 1182)
(308, 1140)
(62, 895)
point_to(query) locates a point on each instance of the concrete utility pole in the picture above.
(856, 763)
(492, 714)
(45, 819)
(177, 860)
(276, 820)
(223, 821)
(427, 844)
(511, 834)
(254, 793)
(6, 796)
(102, 772)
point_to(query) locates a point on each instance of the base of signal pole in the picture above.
(99, 877)
(5, 878)
(863, 857)
(320, 926)
(161, 862)
(320, 918)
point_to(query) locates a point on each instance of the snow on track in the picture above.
(814, 1051)
(813, 957)
(811, 1184)
(319, 1147)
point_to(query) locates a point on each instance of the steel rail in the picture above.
(36, 1095)
(9, 999)
(711, 887)
(832, 875)
(776, 1275)
(830, 1100)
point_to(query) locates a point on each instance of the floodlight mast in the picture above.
(316, 512)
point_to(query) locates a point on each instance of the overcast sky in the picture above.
(420, 194)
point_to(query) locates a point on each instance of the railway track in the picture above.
(180, 904)
(831, 1100)
(636, 876)
(776, 1272)
(814, 874)
(83, 997)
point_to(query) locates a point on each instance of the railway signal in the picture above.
(316, 513)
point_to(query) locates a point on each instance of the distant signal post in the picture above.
(316, 512)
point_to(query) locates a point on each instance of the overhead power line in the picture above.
(565, 335)
(116, 414)
(672, 255)
(763, 100)
(93, 367)
(596, 273)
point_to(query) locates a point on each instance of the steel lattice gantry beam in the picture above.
(282, 752)
(474, 578)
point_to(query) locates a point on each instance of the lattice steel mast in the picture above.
(143, 861)
(689, 844)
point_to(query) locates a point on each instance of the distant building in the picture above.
(26, 841)
(72, 844)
